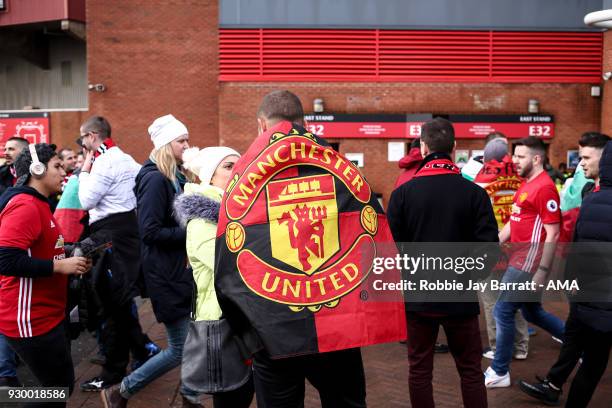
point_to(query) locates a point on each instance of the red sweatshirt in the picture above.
(31, 306)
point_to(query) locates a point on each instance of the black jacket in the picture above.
(442, 208)
(6, 178)
(164, 259)
(590, 260)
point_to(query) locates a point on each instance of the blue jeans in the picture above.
(504, 312)
(8, 365)
(161, 363)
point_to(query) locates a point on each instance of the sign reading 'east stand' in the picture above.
(343, 126)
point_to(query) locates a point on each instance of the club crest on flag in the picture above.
(303, 221)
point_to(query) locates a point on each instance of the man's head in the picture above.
(591, 145)
(12, 148)
(495, 135)
(437, 136)
(50, 182)
(279, 106)
(80, 159)
(496, 149)
(68, 158)
(94, 131)
(529, 156)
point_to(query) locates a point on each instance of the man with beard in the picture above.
(68, 158)
(499, 179)
(535, 219)
(12, 148)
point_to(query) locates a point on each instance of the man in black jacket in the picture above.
(12, 148)
(588, 329)
(438, 205)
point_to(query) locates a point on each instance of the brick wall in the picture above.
(606, 108)
(574, 109)
(154, 58)
(65, 128)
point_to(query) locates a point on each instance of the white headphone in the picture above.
(37, 169)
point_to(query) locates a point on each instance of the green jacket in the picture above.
(198, 209)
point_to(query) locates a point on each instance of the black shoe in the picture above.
(541, 391)
(96, 384)
(440, 348)
(9, 382)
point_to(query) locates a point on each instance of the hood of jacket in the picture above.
(605, 166)
(198, 202)
(412, 159)
(13, 191)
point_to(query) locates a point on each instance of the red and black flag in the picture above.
(299, 228)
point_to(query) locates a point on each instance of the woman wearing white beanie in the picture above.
(168, 280)
(198, 210)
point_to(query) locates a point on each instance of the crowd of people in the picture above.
(82, 234)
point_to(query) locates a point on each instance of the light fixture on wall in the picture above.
(606, 75)
(533, 106)
(96, 87)
(317, 105)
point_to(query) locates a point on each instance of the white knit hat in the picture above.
(165, 129)
(204, 162)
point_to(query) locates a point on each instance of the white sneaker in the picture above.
(492, 380)
(490, 354)
(520, 355)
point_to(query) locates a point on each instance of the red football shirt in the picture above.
(31, 306)
(535, 203)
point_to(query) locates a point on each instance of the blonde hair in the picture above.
(166, 163)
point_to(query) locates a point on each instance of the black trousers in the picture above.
(571, 351)
(116, 277)
(238, 398)
(338, 376)
(121, 332)
(594, 347)
(48, 358)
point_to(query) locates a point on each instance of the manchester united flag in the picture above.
(299, 228)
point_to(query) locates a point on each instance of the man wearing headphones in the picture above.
(34, 268)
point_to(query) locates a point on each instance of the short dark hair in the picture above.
(23, 142)
(60, 152)
(535, 144)
(439, 135)
(495, 135)
(281, 105)
(99, 125)
(45, 153)
(593, 139)
(415, 143)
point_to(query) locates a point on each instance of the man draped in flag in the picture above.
(299, 229)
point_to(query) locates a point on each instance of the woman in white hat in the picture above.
(168, 280)
(198, 210)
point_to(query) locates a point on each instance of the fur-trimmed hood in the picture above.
(198, 202)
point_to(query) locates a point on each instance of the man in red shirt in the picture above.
(534, 221)
(34, 269)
